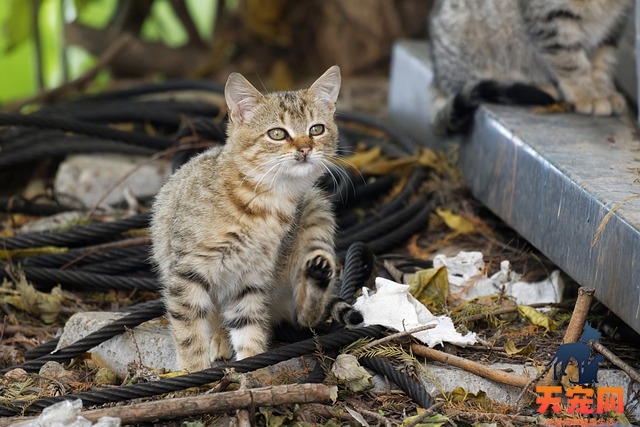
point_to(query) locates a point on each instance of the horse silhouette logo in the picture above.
(581, 352)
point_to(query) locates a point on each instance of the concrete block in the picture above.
(85, 178)
(554, 178)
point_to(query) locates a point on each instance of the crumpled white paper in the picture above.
(467, 281)
(393, 306)
(66, 414)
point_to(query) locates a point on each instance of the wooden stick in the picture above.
(166, 409)
(468, 365)
(574, 330)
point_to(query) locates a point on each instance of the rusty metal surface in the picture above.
(556, 179)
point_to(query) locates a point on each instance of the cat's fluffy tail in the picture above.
(341, 311)
(453, 113)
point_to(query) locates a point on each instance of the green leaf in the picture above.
(18, 28)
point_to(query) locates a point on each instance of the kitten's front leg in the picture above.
(246, 318)
(603, 63)
(190, 309)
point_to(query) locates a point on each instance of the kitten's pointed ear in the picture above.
(241, 98)
(327, 86)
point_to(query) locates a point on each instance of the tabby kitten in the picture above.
(526, 52)
(241, 237)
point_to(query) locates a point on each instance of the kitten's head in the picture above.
(283, 135)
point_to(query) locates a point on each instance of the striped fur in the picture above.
(563, 50)
(241, 237)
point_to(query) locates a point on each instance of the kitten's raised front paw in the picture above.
(607, 105)
(320, 267)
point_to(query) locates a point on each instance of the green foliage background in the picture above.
(18, 65)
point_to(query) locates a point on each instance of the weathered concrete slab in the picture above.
(557, 179)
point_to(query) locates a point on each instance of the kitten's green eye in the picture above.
(316, 130)
(277, 134)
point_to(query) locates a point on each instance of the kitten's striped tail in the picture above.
(454, 113)
(342, 312)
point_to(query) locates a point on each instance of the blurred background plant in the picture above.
(46, 44)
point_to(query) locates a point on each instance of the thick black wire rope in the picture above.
(411, 387)
(117, 327)
(396, 237)
(49, 346)
(81, 234)
(119, 266)
(411, 187)
(364, 192)
(358, 266)
(62, 145)
(46, 278)
(382, 227)
(20, 205)
(196, 379)
(67, 124)
(82, 256)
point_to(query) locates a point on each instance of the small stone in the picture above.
(17, 375)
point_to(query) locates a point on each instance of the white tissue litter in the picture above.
(66, 414)
(467, 280)
(393, 306)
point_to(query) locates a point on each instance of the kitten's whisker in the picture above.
(267, 173)
(337, 158)
(261, 165)
(335, 182)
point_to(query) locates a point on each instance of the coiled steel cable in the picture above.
(82, 234)
(76, 126)
(28, 207)
(382, 227)
(402, 140)
(358, 266)
(196, 379)
(83, 256)
(62, 145)
(119, 266)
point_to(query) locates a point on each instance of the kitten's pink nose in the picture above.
(304, 151)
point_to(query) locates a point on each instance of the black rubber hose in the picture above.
(27, 207)
(367, 193)
(117, 394)
(81, 257)
(82, 234)
(62, 145)
(117, 327)
(76, 126)
(45, 278)
(382, 227)
(411, 387)
(358, 266)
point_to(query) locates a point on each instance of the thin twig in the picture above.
(393, 337)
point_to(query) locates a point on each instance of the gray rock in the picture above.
(86, 178)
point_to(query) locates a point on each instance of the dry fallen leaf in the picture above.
(456, 222)
(511, 349)
(430, 287)
(537, 318)
(27, 298)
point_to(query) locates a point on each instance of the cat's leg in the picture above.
(246, 317)
(220, 348)
(312, 264)
(190, 311)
